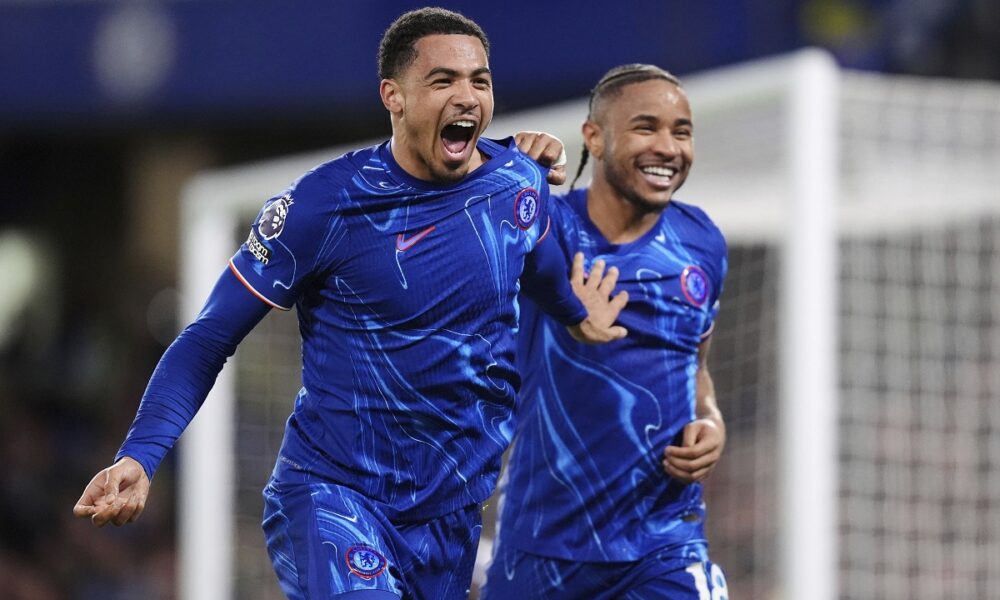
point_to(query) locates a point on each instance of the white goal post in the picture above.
(858, 208)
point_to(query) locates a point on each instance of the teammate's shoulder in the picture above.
(694, 213)
(357, 160)
(699, 220)
(343, 168)
(571, 200)
(323, 183)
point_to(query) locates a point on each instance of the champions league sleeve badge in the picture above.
(694, 285)
(365, 561)
(526, 207)
(272, 220)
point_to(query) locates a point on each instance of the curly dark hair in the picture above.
(396, 51)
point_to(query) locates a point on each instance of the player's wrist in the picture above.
(131, 464)
(711, 415)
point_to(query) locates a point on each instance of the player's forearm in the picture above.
(188, 370)
(546, 281)
(177, 389)
(705, 403)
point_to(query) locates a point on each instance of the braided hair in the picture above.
(611, 85)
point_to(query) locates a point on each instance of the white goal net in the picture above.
(856, 358)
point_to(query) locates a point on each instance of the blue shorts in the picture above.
(325, 540)
(659, 576)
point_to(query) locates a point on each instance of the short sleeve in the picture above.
(292, 237)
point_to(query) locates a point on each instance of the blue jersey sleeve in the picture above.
(717, 269)
(188, 369)
(545, 279)
(292, 237)
(546, 282)
(713, 312)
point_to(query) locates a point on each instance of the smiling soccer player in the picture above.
(604, 493)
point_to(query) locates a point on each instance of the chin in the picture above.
(446, 173)
(658, 198)
(650, 202)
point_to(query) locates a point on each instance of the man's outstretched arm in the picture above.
(583, 302)
(176, 390)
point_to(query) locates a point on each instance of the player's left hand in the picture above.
(594, 292)
(699, 452)
(545, 149)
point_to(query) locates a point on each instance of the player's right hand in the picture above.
(698, 453)
(594, 292)
(115, 495)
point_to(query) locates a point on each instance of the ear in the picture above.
(593, 138)
(392, 95)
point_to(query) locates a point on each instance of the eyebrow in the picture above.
(453, 73)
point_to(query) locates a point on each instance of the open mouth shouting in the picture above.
(456, 139)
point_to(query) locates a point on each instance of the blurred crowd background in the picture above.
(108, 107)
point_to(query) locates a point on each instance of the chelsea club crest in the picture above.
(526, 208)
(364, 561)
(694, 285)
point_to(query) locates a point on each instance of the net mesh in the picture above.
(919, 418)
(919, 339)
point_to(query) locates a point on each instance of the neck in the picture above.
(408, 160)
(619, 219)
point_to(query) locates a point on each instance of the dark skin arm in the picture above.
(704, 438)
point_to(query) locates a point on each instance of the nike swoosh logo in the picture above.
(403, 244)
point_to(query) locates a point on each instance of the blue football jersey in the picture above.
(406, 293)
(585, 480)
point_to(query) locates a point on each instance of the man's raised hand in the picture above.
(594, 291)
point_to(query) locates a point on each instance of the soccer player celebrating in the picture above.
(404, 261)
(602, 497)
